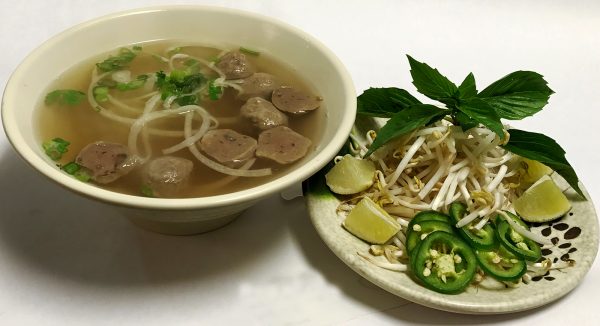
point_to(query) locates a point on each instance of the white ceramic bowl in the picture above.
(197, 24)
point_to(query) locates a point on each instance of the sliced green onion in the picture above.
(177, 75)
(82, 175)
(214, 92)
(147, 191)
(249, 51)
(71, 168)
(101, 93)
(55, 148)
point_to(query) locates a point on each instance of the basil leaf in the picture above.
(467, 88)
(483, 113)
(545, 150)
(431, 83)
(406, 121)
(384, 102)
(465, 121)
(64, 97)
(517, 95)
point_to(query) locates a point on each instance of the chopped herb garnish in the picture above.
(134, 84)
(101, 93)
(119, 61)
(108, 82)
(179, 83)
(55, 148)
(174, 51)
(147, 191)
(136, 48)
(214, 59)
(214, 91)
(249, 51)
(82, 175)
(64, 97)
(71, 168)
(187, 100)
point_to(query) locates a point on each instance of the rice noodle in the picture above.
(204, 127)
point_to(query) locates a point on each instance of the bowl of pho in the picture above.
(184, 121)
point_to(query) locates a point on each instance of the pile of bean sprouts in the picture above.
(434, 166)
(138, 117)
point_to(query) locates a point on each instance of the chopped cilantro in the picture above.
(134, 84)
(187, 100)
(179, 83)
(64, 97)
(120, 61)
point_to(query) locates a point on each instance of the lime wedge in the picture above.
(370, 222)
(532, 172)
(542, 202)
(350, 176)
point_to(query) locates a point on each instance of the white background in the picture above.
(68, 260)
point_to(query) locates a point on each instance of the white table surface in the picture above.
(67, 260)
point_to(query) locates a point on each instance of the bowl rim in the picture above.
(328, 151)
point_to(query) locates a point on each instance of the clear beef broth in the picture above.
(82, 125)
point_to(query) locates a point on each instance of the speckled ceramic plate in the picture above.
(575, 237)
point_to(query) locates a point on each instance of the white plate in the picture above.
(576, 238)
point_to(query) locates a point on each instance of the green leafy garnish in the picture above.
(249, 51)
(518, 95)
(71, 168)
(179, 83)
(214, 91)
(101, 93)
(431, 83)
(82, 175)
(406, 121)
(64, 97)
(384, 102)
(120, 61)
(467, 88)
(146, 191)
(480, 111)
(76, 171)
(174, 51)
(55, 148)
(543, 149)
(465, 121)
(134, 84)
(187, 100)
